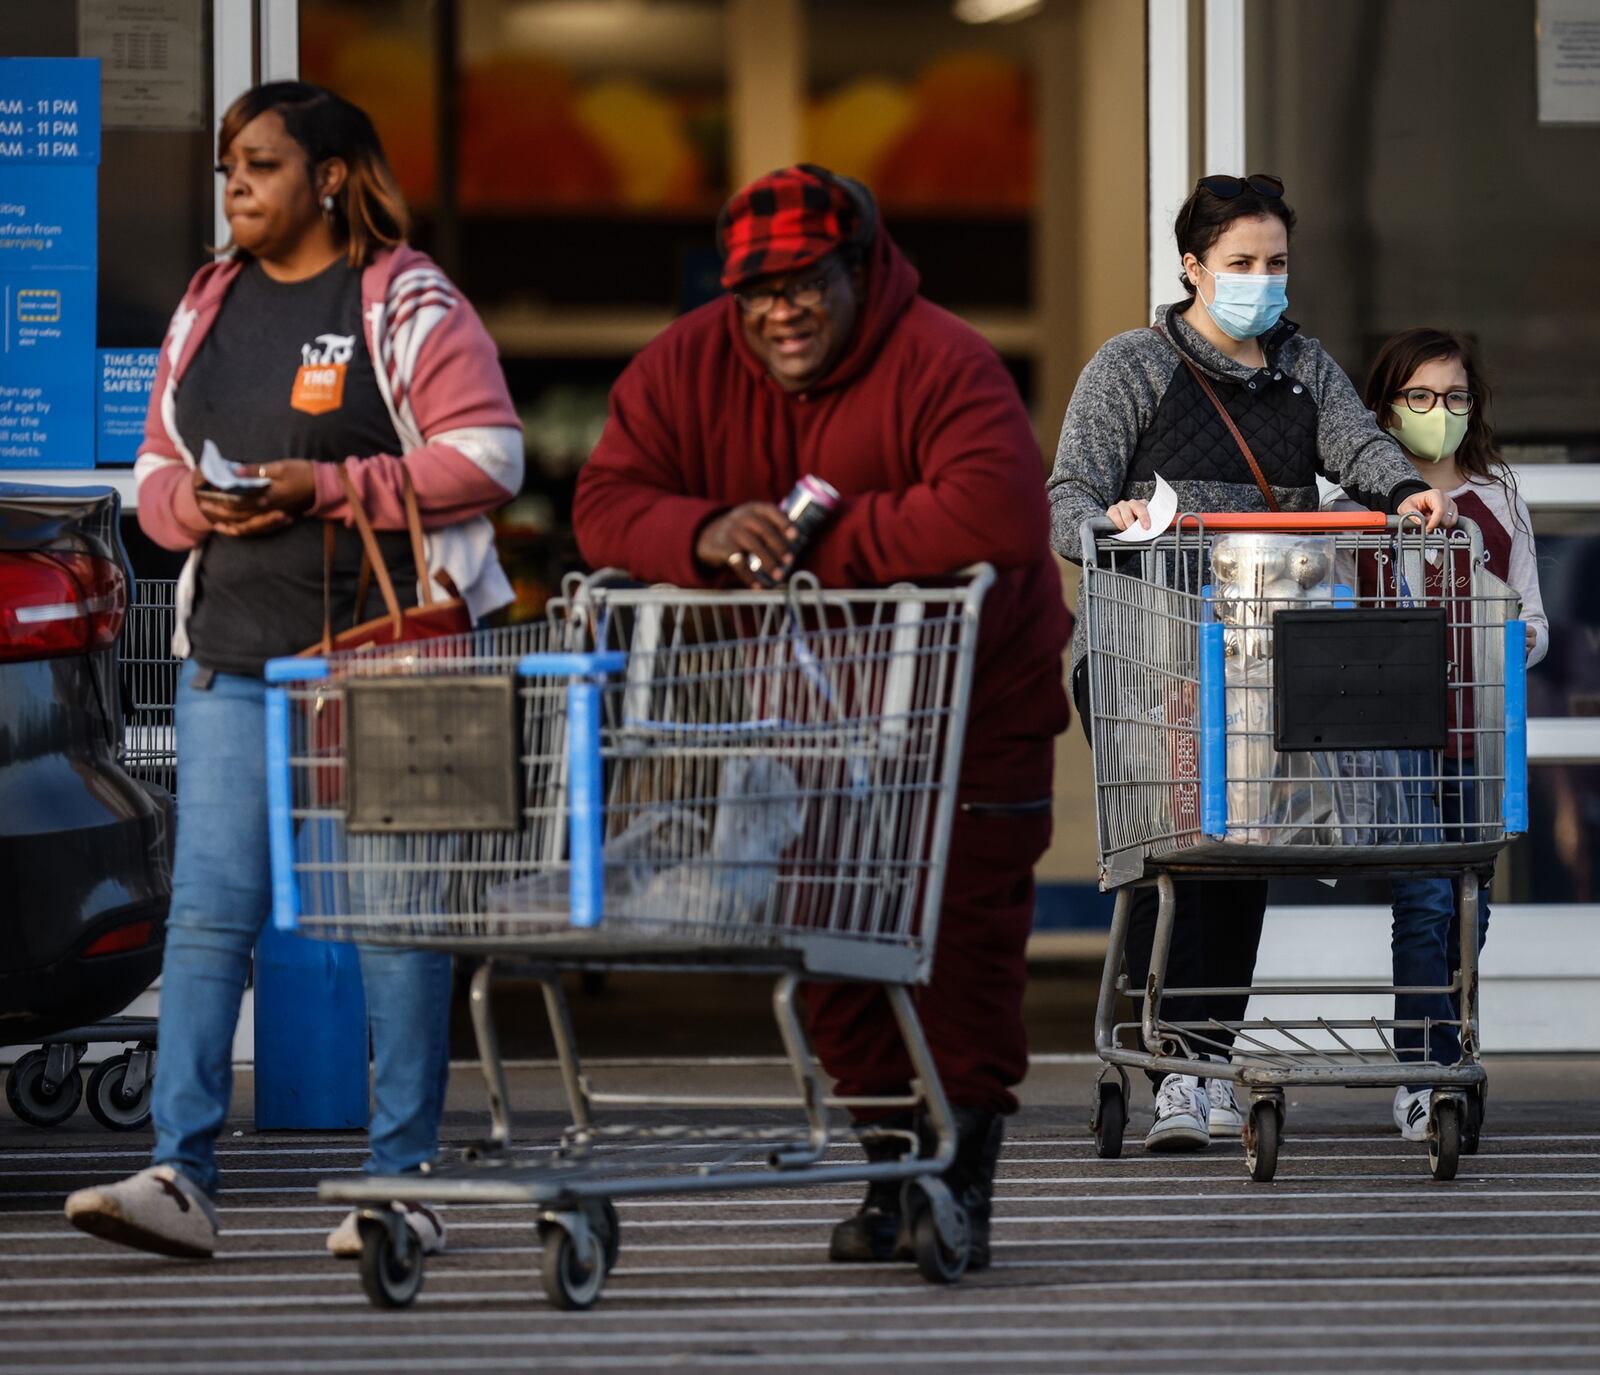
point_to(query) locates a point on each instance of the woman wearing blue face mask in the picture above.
(1223, 398)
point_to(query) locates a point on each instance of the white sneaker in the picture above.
(1227, 1117)
(1183, 1112)
(344, 1240)
(159, 1209)
(1411, 1112)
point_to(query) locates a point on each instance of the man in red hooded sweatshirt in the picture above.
(824, 360)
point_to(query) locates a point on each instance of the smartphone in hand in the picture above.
(228, 481)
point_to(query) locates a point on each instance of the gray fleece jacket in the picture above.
(1137, 411)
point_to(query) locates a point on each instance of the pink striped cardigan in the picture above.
(440, 377)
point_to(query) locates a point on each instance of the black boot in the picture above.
(872, 1233)
(971, 1177)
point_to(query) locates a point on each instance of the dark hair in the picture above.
(1401, 355)
(370, 210)
(1205, 217)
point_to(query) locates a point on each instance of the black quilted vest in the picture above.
(1187, 441)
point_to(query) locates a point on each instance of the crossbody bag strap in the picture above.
(1244, 448)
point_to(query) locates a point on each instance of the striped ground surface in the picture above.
(1352, 1259)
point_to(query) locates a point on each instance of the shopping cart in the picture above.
(1277, 696)
(150, 684)
(648, 778)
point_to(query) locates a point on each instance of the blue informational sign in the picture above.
(48, 217)
(46, 394)
(49, 165)
(121, 402)
(50, 110)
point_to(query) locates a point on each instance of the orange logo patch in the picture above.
(318, 388)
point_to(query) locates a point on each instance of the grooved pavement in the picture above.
(1352, 1259)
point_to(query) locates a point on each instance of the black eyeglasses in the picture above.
(1424, 399)
(803, 294)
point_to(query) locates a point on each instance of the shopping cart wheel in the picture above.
(32, 1101)
(391, 1260)
(1110, 1118)
(568, 1282)
(603, 1218)
(1472, 1127)
(940, 1239)
(1261, 1134)
(936, 1262)
(1444, 1139)
(110, 1104)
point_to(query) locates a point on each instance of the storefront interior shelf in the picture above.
(527, 332)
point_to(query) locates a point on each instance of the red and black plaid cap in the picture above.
(787, 219)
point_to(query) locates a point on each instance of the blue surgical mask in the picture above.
(1247, 304)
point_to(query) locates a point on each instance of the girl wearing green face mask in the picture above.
(1426, 389)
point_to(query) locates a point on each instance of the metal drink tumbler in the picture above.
(809, 506)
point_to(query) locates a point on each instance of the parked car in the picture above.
(85, 846)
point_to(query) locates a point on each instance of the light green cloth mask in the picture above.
(1433, 436)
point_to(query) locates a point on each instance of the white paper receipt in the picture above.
(1163, 506)
(226, 476)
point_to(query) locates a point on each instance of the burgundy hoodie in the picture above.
(920, 428)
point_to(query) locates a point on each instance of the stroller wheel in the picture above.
(29, 1099)
(109, 1102)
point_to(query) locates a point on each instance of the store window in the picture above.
(1430, 192)
(155, 178)
(129, 231)
(939, 117)
(565, 159)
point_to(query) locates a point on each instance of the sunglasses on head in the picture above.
(1264, 184)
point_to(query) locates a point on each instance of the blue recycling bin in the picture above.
(311, 1034)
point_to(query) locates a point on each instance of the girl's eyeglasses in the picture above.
(1424, 399)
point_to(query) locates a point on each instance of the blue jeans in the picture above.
(221, 897)
(1427, 920)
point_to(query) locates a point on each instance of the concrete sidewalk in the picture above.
(1352, 1258)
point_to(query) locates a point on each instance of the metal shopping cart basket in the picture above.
(656, 778)
(150, 684)
(1279, 696)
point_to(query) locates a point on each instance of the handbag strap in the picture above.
(419, 555)
(372, 557)
(1244, 448)
(373, 563)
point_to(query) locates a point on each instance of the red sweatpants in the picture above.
(971, 1010)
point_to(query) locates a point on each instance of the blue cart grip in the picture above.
(1516, 789)
(280, 813)
(585, 773)
(585, 804)
(1213, 733)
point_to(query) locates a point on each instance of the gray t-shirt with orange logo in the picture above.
(284, 373)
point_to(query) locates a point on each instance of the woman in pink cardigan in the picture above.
(320, 339)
